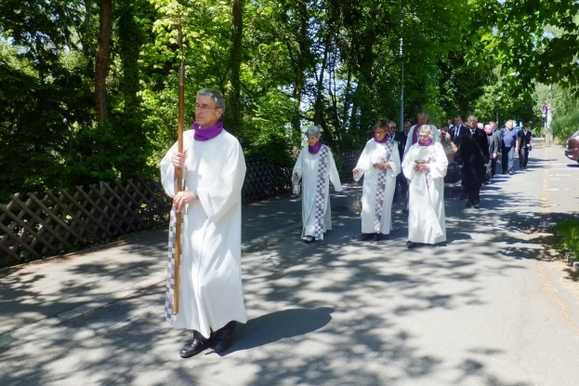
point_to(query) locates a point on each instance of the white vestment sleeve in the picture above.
(225, 191)
(436, 134)
(298, 169)
(408, 165)
(168, 171)
(409, 140)
(439, 164)
(363, 163)
(334, 176)
(395, 161)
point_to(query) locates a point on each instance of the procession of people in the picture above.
(413, 162)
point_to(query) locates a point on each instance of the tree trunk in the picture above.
(319, 105)
(347, 95)
(235, 95)
(88, 38)
(102, 58)
(303, 59)
(130, 45)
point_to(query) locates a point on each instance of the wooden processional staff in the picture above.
(179, 180)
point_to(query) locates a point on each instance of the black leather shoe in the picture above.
(194, 346)
(222, 339)
(367, 236)
(308, 239)
(379, 237)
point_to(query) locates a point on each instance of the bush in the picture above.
(568, 232)
(273, 148)
(566, 125)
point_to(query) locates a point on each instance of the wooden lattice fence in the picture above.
(36, 225)
(263, 180)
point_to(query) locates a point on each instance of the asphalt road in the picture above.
(483, 310)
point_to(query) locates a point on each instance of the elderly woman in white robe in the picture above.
(316, 168)
(379, 164)
(425, 166)
(210, 288)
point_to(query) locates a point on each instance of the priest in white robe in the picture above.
(211, 293)
(379, 164)
(316, 168)
(425, 166)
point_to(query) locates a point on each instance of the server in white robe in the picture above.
(379, 164)
(412, 138)
(211, 293)
(316, 168)
(425, 166)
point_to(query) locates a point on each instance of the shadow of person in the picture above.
(272, 327)
(457, 236)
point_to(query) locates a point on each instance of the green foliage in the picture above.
(531, 40)
(565, 125)
(336, 64)
(564, 103)
(501, 102)
(568, 232)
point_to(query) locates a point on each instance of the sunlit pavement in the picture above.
(482, 310)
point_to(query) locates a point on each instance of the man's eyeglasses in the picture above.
(203, 106)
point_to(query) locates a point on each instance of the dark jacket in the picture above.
(457, 132)
(400, 137)
(473, 150)
(494, 142)
(524, 139)
(473, 146)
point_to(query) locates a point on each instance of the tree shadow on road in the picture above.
(345, 303)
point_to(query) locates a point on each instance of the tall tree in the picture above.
(235, 94)
(130, 41)
(103, 58)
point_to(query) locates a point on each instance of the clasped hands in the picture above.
(384, 165)
(422, 167)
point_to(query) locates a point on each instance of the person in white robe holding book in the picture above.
(425, 166)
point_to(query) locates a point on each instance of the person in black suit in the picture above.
(495, 148)
(401, 194)
(524, 139)
(473, 150)
(494, 144)
(457, 130)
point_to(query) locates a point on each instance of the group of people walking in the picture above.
(210, 292)
(423, 163)
(480, 148)
(422, 154)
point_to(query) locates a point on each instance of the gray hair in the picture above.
(314, 131)
(426, 129)
(215, 96)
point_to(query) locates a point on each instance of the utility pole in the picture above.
(401, 68)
